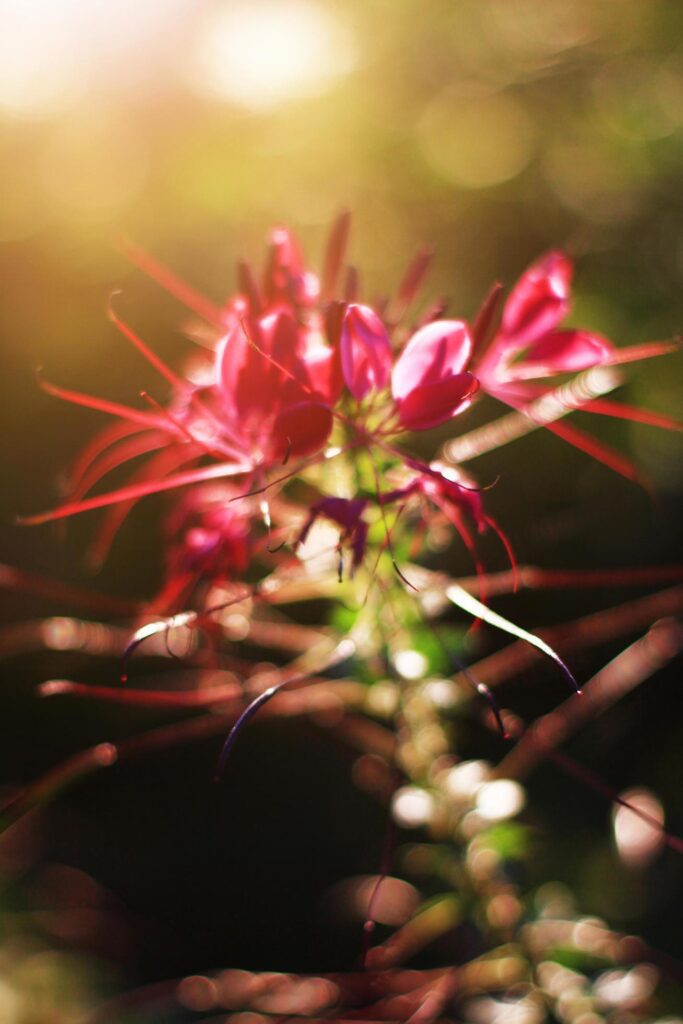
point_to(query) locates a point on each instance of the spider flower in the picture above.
(292, 353)
(530, 349)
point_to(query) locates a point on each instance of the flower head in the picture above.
(529, 344)
(298, 362)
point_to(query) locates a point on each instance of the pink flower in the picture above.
(208, 536)
(266, 394)
(428, 382)
(275, 385)
(528, 344)
(283, 348)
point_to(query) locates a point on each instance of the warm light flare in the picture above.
(259, 55)
(53, 52)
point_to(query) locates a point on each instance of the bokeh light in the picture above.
(54, 54)
(500, 799)
(476, 141)
(412, 807)
(638, 839)
(265, 53)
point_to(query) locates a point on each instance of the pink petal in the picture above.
(539, 301)
(562, 352)
(116, 456)
(428, 405)
(249, 289)
(157, 468)
(287, 344)
(646, 350)
(434, 353)
(301, 429)
(230, 356)
(323, 367)
(97, 446)
(486, 315)
(365, 351)
(246, 376)
(412, 282)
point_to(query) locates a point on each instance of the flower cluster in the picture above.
(300, 372)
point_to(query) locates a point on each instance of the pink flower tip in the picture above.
(365, 351)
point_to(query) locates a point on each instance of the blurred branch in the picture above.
(584, 633)
(436, 919)
(327, 701)
(541, 412)
(15, 579)
(531, 577)
(61, 633)
(632, 666)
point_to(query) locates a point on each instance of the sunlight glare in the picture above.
(261, 54)
(53, 54)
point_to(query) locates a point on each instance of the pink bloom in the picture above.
(428, 382)
(208, 536)
(266, 394)
(528, 344)
(530, 348)
(286, 347)
(207, 529)
(275, 387)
